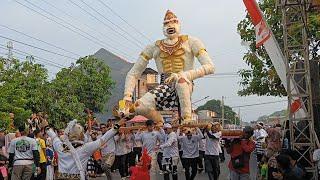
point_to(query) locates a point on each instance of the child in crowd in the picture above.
(3, 171)
(50, 159)
(264, 168)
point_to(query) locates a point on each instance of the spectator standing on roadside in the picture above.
(42, 152)
(259, 136)
(23, 153)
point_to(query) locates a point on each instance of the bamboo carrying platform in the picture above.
(226, 133)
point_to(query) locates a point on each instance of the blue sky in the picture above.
(214, 22)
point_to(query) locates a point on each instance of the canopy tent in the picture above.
(138, 119)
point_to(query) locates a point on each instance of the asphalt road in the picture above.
(202, 176)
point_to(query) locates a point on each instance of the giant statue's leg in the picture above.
(146, 106)
(184, 89)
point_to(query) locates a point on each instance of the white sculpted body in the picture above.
(175, 57)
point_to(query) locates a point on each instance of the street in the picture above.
(202, 176)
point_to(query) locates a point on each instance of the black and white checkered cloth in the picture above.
(91, 166)
(166, 97)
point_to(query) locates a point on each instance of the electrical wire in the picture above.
(115, 13)
(103, 43)
(258, 104)
(113, 30)
(87, 26)
(93, 9)
(24, 59)
(29, 54)
(36, 47)
(61, 24)
(50, 44)
(36, 58)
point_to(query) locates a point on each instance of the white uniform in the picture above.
(66, 161)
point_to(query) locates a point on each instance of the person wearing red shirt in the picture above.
(240, 150)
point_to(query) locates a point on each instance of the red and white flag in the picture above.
(265, 37)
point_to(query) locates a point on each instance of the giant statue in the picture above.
(175, 60)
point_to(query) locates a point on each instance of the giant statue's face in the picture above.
(171, 29)
(171, 25)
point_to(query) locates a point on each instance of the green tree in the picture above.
(215, 106)
(24, 88)
(261, 78)
(20, 90)
(86, 84)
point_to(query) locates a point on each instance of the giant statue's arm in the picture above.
(199, 51)
(137, 70)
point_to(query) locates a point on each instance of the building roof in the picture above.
(119, 69)
(150, 71)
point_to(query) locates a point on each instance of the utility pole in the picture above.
(222, 111)
(10, 54)
(240, 121)
(30, 59)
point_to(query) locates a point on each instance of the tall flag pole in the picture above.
(265, 37)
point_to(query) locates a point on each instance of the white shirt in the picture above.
(213, 143)
(202, 145)
(122, 145)
(170, 146)
(108, 147)
(149, 140)
(190, 147)
(260, 134)
(22, 148)
(316, 157)
(66, 163)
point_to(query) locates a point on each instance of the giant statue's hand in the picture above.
(172, 78)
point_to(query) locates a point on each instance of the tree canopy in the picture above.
(215, 106)
(261, 78)
(25, 88)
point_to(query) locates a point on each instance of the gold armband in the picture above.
(201, 52)
(128, 95)
(144, 56)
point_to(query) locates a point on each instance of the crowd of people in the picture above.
(275, 158)
(32, 152)
(101, 149)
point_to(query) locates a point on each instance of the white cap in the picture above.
(167, 125)
(215, 123)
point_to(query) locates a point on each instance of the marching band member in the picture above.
(213, 149)
(190, 155)
(170, 153)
